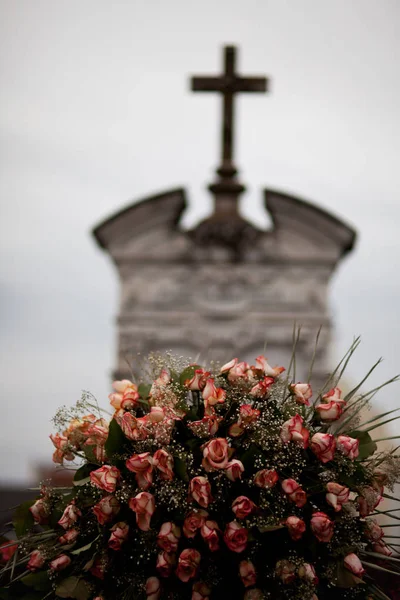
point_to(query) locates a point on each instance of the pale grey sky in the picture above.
(95, 111)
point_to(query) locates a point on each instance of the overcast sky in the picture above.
(95, 112)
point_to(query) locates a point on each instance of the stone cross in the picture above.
(228, 85)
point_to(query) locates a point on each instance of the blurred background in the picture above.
(95, 111)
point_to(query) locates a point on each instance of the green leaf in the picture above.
(188, 373)
(367, 446)
(81, 482)
(180, 468)
(38, 581)
(344, 578)
(144, 391)
(22, 518)
(73, 587)
(115, 440)
(84, 548)
(267, 528)
(84, 473)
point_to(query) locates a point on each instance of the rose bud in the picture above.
(99, 568)
(164, 462)
(235, 536)
(200, 491)
(381, 548)
(61, 562)
(348, 446)
(142, 466)
(296, 527)
(368, 500)
(337, 495)
(307, 572)
(247, 573)
(198, 381)
(262, 365)
(153, 588)
(261, 389)
(7, 551)
(98, 433)
(69, 537)
(36, 561)
(294, 492)
(234, 469)
(286, 571)
(168, 537)
(353, 564)
(229, 365)
(188, 564)
(216, 454)
(118, 536)
(323, 445)
(334, 394)
(254, 594)
(322, 527)
(238, 371)
(209, 532)
(248, 414)
(329, 412)
(213, 395)
(201, 591)
(236, 430)
(207, 426)
(266, 478)
(125, 395)
(293, 430)
(144, 506)
(70, 516)
(242, 507)
(373, 531)
(302, 392)
(105, 478)
(106, 509)
(165, 563)
(156, 415)
(40, 511)
(193, 521)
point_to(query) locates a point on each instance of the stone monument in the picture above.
(225, 288)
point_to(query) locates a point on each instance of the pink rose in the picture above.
(188, 564)
(348, 446)
(322, 527)
(98, 433)
(7, 551)
(99, 568)
(238, 371)
(353, 564)
(247, 572)
(368, 500)
(248, 414)
(262, 365)
(209, 532)
(307, 572)
(70, 516)
(105, 478)
(153, 588)
(235, 536)
(164, 462)
(144, 506)
(216, 454)
(62, 448)
(294, 492)
(198, 381)
(207, 426)
(296, 527)
(142, 466)
(293, 430)
(266, 478)
(302, 392)
(60, 563)
(36, 561)
(201, 591)
(40, 511)
(381, 548)
(200, 491)
(126, 395)
(229, 365)
(133, 428)
(213, 395)
(373, 531)
(323, 445)
(156, 415)
(165, 563)
(334, 394)
(69, 537)
(168, 537)
(261, 389)
(242, 507)
(118, 536)
(106, 509)
(337, 495)
(286, 571)
(234, 469)
(329, 412)
(193, 521)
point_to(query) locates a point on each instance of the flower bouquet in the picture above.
(232, 482)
